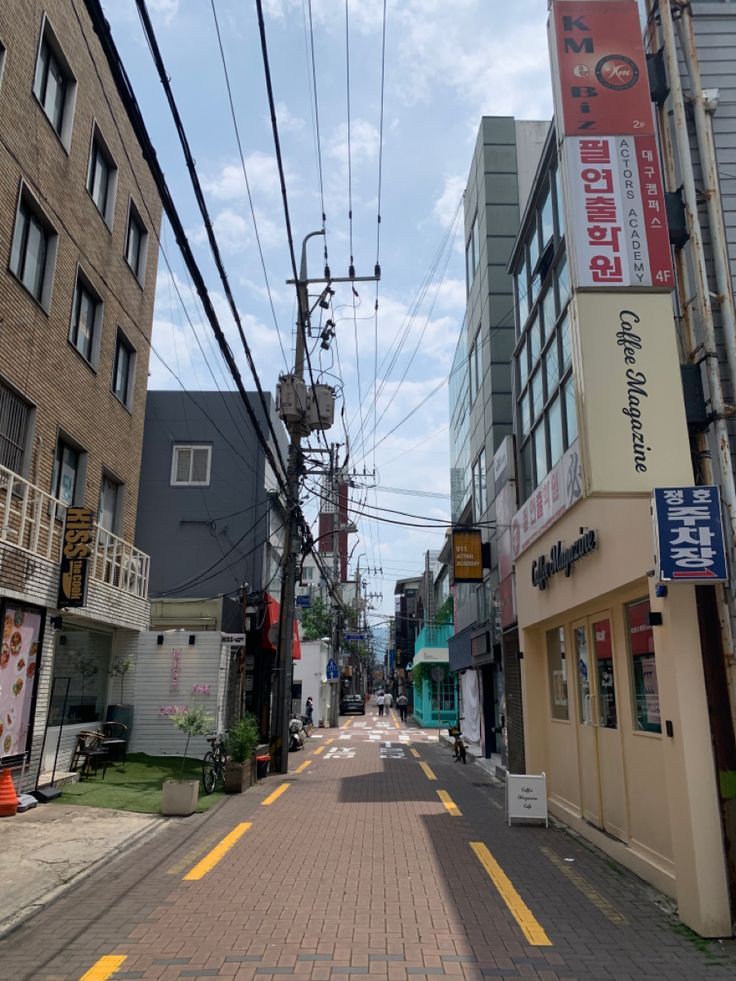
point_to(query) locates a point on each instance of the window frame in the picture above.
(25, 450)
(110, 478)
(27, 200)
(121, 341)
(82, 281)
(176, 447)
(80, 473)
(48, 39)
(637, 729)
(559, 710)
(134, 218)
(99, 147)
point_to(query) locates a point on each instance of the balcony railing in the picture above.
(436, 635)
(32, 520)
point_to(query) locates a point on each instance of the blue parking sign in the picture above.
(689, 535)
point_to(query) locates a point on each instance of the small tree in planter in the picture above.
(180, 796)
(118, 669)
(121, 665)
(241, 743)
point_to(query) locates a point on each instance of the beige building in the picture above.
(79, 224)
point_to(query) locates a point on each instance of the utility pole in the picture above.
(335, 500)
(295, 415)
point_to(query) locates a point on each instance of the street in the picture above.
(377, 855)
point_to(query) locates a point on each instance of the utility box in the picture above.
(321, 407)
(292, 404)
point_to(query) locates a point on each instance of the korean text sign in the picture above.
(689, 534)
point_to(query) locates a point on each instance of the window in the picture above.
(108, 510)
(190, 466)
(15, 424)
(123, 370)
(33, 252)
(560, 204)
(472, 253)
(102, 177)
(66, 482)
(647, 716)
(582, 661)
(136, 243)
(547, 219)
(476, 370)
(54, 85)
(2, 61)
(480, 495)
(307, 573)
(557, 670)
(86, 320)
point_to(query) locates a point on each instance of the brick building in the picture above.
(79, 224)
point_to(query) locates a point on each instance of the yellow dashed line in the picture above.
(427, 771)
(531, 929)
(346, 724)
(303, 766)
(610, 912)
(330, 740)
(319, 750)
(276, 794)
(212, 858)
(415, 753)
(104, 968)
(449, 803)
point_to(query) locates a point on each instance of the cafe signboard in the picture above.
(79, 532)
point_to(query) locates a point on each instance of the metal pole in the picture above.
(334, 497)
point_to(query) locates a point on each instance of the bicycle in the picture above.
(213, 764)
(458, 745)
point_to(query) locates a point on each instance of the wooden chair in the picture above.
(89, 753)
(114, 737)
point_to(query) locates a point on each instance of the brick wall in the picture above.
(35, 354)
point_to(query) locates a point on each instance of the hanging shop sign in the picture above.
(562, 558)
(689, 535)
(599, 69)
(559, 490)
(616, 212)
(467, 555)
(79, 534)
(20, 659)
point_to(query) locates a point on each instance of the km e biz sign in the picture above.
(76, 550)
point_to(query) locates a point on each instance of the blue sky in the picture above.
(446, 65)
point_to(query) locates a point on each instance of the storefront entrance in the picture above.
(601, 758)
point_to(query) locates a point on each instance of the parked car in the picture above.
(352, 703)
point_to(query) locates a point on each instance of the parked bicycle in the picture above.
(213, 765)
(458, 743)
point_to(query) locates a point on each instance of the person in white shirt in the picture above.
(389, 700)
(380, 702)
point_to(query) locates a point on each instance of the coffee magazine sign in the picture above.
(562, 558)
(526, 797)
(75, 555)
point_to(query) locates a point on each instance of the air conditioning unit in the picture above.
(321, 407)
(292, 404)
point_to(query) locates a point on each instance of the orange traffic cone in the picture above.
(8, 797)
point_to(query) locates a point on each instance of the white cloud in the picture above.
(445, 207)
(364, 142)
(288, 122)
(168, 9)
(229, 183)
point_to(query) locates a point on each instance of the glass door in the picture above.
(587, 717)
(608, 737)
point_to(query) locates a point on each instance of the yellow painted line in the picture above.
(330, 740)
(319, 750)
(427, 771)
(610, 912)
(449, 803)
(530, 927)
(104, 968)
(303, 766)
(218, 852)
(346, 724)
(415, 753)
(276, 794)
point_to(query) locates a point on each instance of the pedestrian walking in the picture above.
(380, 702)
(389, 701)
(402, 704)
(310, 709)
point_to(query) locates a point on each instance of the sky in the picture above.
(446, 65)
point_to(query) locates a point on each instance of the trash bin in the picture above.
(262, 765)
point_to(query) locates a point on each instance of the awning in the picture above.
(461, 656)
(270, 631)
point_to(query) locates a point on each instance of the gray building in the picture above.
(209, 508)
(481, 405)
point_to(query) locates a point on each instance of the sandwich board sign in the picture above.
(526, 797)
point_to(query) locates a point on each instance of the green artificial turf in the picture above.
(135, 785)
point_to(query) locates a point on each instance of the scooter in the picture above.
(297, 736)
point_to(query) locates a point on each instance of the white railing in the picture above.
(32, 520)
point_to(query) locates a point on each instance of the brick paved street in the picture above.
(360, 867)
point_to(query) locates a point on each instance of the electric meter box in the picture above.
(291, 399)
(321, 409)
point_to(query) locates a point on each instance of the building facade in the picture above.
(79, 225)
(616, 706)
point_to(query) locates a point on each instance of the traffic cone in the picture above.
(8, 797)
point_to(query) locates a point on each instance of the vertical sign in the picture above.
(75, 554)
(467, 555)
(689, 535)
(20, 657)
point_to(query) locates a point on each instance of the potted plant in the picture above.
(241, 743)
(180, 796)
(121, 712)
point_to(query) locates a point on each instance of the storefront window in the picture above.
(644, 668)
(83, 659)
(603, 647)
(557, 667)
(582, 661)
